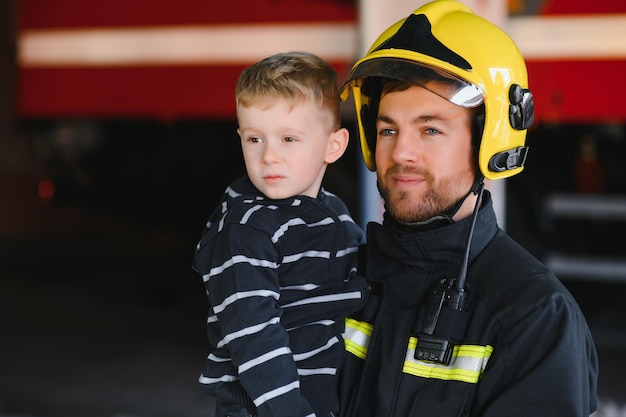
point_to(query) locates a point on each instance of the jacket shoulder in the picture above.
(512, 281)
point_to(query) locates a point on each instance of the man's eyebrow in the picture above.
(430, 118)
(419, 119)
(385, 119)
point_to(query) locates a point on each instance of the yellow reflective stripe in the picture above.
(467, 365)
(357, 337)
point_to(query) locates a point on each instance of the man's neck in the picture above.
(466, 209)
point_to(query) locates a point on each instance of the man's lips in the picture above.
(407, 180)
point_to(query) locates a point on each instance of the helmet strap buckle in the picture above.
(509, 159)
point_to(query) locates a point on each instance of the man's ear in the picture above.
(337, 145)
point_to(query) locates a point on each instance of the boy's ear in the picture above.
(337, 145)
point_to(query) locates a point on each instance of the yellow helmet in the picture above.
(483, 63)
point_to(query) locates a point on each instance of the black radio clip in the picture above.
(444, 323)
(447, 310)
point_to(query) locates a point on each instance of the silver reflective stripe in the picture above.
(357, 337)
(467, 365)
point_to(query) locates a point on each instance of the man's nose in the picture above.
(406, 148)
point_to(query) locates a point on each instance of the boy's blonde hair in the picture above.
(293, 76)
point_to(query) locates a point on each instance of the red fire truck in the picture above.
(130, 99)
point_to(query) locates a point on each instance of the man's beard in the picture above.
(439, 199)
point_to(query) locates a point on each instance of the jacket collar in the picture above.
(402, 255)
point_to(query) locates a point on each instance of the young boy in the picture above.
(278, 254)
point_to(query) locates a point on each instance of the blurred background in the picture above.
(117, 138)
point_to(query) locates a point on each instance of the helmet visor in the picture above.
(444, 84)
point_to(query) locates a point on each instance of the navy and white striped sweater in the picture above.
(280, 279)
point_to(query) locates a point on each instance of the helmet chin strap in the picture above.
(476, 188)
(478, 183)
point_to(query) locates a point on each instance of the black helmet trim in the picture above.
(437, 81)
(522, 108)
(416, 35)
(509, 159)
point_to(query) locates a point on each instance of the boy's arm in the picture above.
(244, 291)
(342, 299)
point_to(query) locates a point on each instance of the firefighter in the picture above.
(461, 319)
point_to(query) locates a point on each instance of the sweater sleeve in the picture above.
(243, 289)
(546, 366)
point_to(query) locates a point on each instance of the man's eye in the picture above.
(386, 132)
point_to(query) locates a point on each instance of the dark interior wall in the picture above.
(559, 163)
(7, 77)
(154, 174)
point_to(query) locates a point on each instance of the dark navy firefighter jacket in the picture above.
(526, 350)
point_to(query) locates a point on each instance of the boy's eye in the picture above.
(289, 139)
(255, 139)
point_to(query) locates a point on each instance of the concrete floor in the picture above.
(89, 331)
(99, 317)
